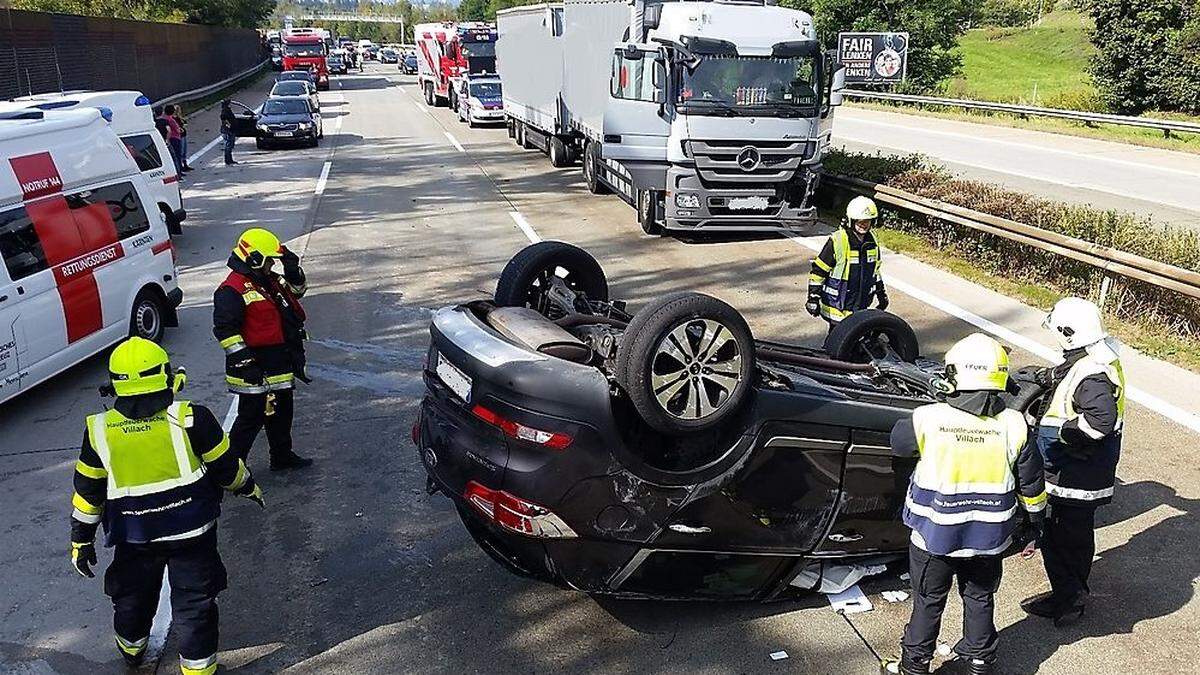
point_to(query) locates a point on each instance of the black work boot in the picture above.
(1063, 612)
(980, 667)
(133, 660)
(909, 665)
(289, 460)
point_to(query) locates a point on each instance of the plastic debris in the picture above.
(905, 577)
(834, 578)
(850, 601)
(779, 655)
(894, 596)
(943, 649)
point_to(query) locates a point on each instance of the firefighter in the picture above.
(845, 275)
(977, 470)
(1079, 437)
(150, 471)
(259, 322)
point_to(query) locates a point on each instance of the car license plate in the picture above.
(283, 134)
(454, 378)
(748, 203)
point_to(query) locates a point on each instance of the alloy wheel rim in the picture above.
(695, 369)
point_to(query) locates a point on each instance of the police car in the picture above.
(131, 118)
(87, 259)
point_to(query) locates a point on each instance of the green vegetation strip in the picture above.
(1148, 318)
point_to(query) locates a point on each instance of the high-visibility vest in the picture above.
(839, 297)
(157, 485)
(962, 500)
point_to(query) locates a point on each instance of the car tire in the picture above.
(676, 340)
(522, 283)
(147, 319)
(591, 177)
(846, 341)
(560, 152)
(646, 213)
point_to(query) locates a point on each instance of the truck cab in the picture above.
(307, 51)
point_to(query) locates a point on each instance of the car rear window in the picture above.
(122, 203)
(141, 146)
(290, 88)
(19, 244)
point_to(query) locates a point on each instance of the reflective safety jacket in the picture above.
(972, 472)
(264, 315)
(846, 274)
(1079, 436)
(153, 478)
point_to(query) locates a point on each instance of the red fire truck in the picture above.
(447, 51)
(305, 49)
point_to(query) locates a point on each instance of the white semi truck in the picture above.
(704, 116)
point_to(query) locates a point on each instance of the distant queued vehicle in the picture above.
(301, 75)
(297, 88)
(337, 61)
(288, 120)
(408, 64)
(276, 59)
(388, 55)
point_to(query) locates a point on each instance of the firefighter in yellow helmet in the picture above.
(845, 275)
(977, 471)
(150, 471)
(259, 322)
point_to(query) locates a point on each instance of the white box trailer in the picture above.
(702, 115)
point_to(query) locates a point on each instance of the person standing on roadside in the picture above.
(183, 140)
(1079, 436)
(844, 277)
(227, 131)
(174, 136)
(976, 471)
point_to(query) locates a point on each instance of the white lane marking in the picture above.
(231, 414)
(1146, 399)
(324, 177)
(337, 126)
(525, 226)
(161, 623)
(200, 153)
(454, 142)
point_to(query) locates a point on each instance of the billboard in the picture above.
(873, 58)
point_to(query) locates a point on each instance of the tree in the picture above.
(1147, 54)
(473, 10)
(244, 13)
(934, 27)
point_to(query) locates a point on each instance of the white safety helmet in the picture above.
(977, 362)
(861, 208)
(1076, 323)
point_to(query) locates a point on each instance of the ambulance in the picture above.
(131, 117)
(86, 256)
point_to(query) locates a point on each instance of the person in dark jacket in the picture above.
(258, 319)
(845, 275)
(228, 133)
(1079, 436)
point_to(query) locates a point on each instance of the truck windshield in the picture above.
(486, 91)
(304, 50)
(479, 49)
(737, 82)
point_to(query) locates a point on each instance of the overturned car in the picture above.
(665, 453)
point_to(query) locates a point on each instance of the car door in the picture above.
(635, 122)
(10, 354)
(29, 305)
(245, 120)
(312, 94)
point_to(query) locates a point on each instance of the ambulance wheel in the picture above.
(147, 320)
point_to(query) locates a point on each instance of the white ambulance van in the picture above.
(133, 120)
(86, 256)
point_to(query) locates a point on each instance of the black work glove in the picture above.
(242, 366)
(83, 556)
(882, 296)
(291, 267)
(813, 306)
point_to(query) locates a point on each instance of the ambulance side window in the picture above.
(141, 146)
(19, 244)
(123, 205)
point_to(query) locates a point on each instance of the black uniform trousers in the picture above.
(196, 574)
(1068, 546)
(252, 417)
(932, 575)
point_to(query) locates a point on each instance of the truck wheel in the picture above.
(869, 334)
(591, 161)
(511, 127)
(525, 280)
(647, 213)
(525, 142)
(519, 134)
(686, 362)
(428, 94)
(560, 153)
(146, 320)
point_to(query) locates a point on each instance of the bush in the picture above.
(1006, 13)
(1129, 300)
(1148, 54)
(1083, 100)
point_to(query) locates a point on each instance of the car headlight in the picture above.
(262, 127)
(304, 125)
(685, 200)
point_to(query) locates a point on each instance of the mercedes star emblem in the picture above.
(748, 158)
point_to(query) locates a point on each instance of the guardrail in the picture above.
(1107, 259)
(1165, 126)
(212, 88)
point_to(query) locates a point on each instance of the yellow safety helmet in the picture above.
(862, 208)
(256, 246)
(977, 362)
(138, 366)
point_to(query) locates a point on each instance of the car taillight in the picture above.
(522, 432)
(515, 514)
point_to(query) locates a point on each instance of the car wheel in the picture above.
(525, 281)
(147, 320)
(686, 362)
(591, 161)
(560, 153)
(647, 214)
(869, 334)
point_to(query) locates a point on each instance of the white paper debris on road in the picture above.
(894, 596)
(905, 577)
(778, 656)
(850, 601)
(944, 650)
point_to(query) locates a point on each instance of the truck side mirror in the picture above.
(631, 53)
(839, 83)
(658, 81)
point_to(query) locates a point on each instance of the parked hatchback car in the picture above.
(408, 65)
(288, 120)
(297, 88)
(388, 55)
(302, 75)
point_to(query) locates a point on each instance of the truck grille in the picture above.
(727, 161)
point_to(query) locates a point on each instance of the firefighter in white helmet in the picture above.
(845, 276)
(1079, 437)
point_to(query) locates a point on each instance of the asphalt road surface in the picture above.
(352, 568)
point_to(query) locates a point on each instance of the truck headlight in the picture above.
(686, 200)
